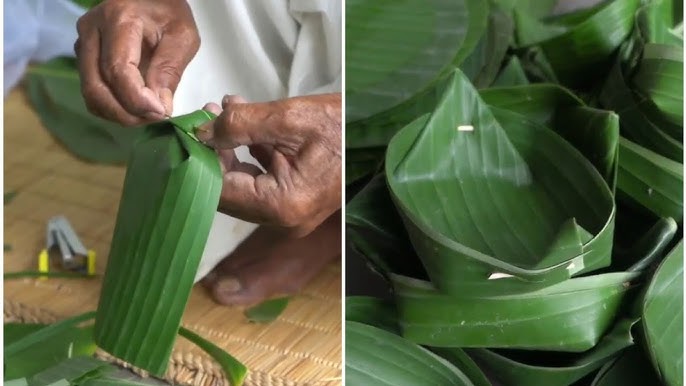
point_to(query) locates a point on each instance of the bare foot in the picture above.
(269, 264)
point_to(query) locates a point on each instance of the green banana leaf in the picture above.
(9, 197)
(61, 351)
(374, 228)
(566, 370)
(465, 363)
(378, 357)
(395, 52)
(54, 90)
(537, 8)
(630, 369)
(531, 30)
(663, 318)
(381, 314)
(650, 180)
(46, 352)
(267, 311)
(635, 124)
(235, 371)
(364, 129)
(49, 332)
(360, 163)
(87, 371)
(87, 3)
(538, 102)
(170, 196)
(16, 382)
(537, 67)
(372, 311)
(660, 78)
(483, 63)
(658, 61)
(595, 133)
(548, 212)
(646, 249)
(579, 46)
(512, 74)
(78, 370)
(569, 316)
(655, 19)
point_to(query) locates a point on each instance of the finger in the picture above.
(121, 54)
(169, 61)
(262, 199)
(245, 124)
(231, 163)
(213, 108)
(204, 132)
(97, 95)
(232, 99)
(263, 154)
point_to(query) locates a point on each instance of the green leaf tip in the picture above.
(44, 333)
(189, 123)
(267, 311)
(235, 370)
(9, 196)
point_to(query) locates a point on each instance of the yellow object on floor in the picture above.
(302, 347)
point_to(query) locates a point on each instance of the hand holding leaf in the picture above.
(131, 56)
(298, 142)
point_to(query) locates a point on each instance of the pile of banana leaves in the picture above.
(515, 174)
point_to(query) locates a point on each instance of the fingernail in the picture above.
(158, 107)
(228, 285)
(154, 116)
(213, 108)
(167, 98)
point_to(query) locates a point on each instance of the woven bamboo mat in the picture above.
(302, 347)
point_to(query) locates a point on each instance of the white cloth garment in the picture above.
(36, 30)
(261, 50)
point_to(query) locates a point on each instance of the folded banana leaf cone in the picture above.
(571, 316)
(577, 46)
(170, 196)
(488, 195)
(562, 319)
(645, 86)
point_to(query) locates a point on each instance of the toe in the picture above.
(281, 267)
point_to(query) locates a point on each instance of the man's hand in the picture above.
(131, 55)
(298, 142)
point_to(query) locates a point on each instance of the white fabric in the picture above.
(262, 50)
(36, 30)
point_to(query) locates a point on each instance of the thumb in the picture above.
(167, 64)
